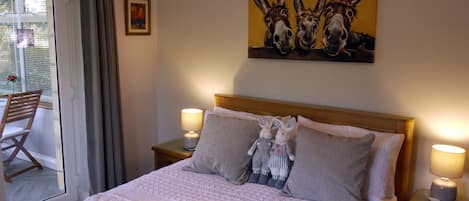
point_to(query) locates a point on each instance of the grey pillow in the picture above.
(223, 148)
(328, 167)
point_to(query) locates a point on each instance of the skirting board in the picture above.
(44, 160)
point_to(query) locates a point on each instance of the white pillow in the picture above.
(250, 116)
(379, 184)
(236, 114)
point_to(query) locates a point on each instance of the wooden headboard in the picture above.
(368, 120)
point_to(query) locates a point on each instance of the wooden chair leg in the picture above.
(13, 154)
(10, 177)
(33, 160)
(7, 178)
(20, 147)
(26, 152)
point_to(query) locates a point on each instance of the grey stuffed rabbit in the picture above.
(280, 153)
(261, 148)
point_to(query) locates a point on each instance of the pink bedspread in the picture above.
(173, 184)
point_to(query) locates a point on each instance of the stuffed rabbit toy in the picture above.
(280, 153)
(260, 152)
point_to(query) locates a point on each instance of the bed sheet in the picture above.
(173, 184)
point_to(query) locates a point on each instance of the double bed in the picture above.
(172, 183)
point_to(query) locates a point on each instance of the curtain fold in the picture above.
(105, 144)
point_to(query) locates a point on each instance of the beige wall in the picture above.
(421, 70)
(137, 62)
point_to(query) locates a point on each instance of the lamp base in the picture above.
(443, 189)
(190, 140)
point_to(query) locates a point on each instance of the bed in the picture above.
(171, 183)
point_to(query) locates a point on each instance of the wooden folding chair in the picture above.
(19, 106)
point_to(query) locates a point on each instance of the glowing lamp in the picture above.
(191, 121)
(447, 162)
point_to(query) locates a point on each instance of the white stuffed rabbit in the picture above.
(280, 153)
(260, 152)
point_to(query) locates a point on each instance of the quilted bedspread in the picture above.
(173, 184)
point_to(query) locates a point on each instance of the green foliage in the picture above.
(6, 6)
(36, 59)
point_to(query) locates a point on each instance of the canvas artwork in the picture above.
(327, 30)
(24, 38)
(137, 17)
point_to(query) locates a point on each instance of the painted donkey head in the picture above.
(339, 16)
(308, 24)
(279, 33)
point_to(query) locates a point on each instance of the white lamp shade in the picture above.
(447, 161)
(191, 119)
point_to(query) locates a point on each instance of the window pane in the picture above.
(7, 55)
(24, 46)
(37, 60)
(27, 51)
(35, 6)
(6, 6)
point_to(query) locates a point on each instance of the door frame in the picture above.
(2, 189)
(70, 71)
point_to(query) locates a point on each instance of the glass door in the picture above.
(40, 51)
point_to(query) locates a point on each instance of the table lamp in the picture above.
(191, 121)
(447, 162)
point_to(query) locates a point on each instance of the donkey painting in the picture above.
(279, 33)
(307, 20)
(325, 30)
(337, 34)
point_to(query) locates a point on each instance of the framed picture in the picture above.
(325, 30)
(137, 17)
(24, 38)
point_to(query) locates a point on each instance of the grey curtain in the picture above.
(105, 146)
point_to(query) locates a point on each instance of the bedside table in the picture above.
(420, 195)
(424, 194)
(170, 152)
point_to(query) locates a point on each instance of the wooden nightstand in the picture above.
(420, 195)
(169, 153)
(424, 194)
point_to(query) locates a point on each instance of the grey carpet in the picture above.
(34, 185)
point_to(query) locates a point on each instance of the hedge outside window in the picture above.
(29, 61)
